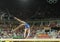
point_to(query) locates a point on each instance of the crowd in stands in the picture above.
(42, 31)
(37, 31)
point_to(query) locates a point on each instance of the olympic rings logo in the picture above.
(52, 1)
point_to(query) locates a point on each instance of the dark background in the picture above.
(31, 9)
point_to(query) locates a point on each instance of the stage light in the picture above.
(25, 3)
(24, 0)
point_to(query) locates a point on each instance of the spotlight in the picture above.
(24, 0)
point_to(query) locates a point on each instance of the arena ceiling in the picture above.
(32, 9)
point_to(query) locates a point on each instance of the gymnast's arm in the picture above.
(19, 25)
(17, 19)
